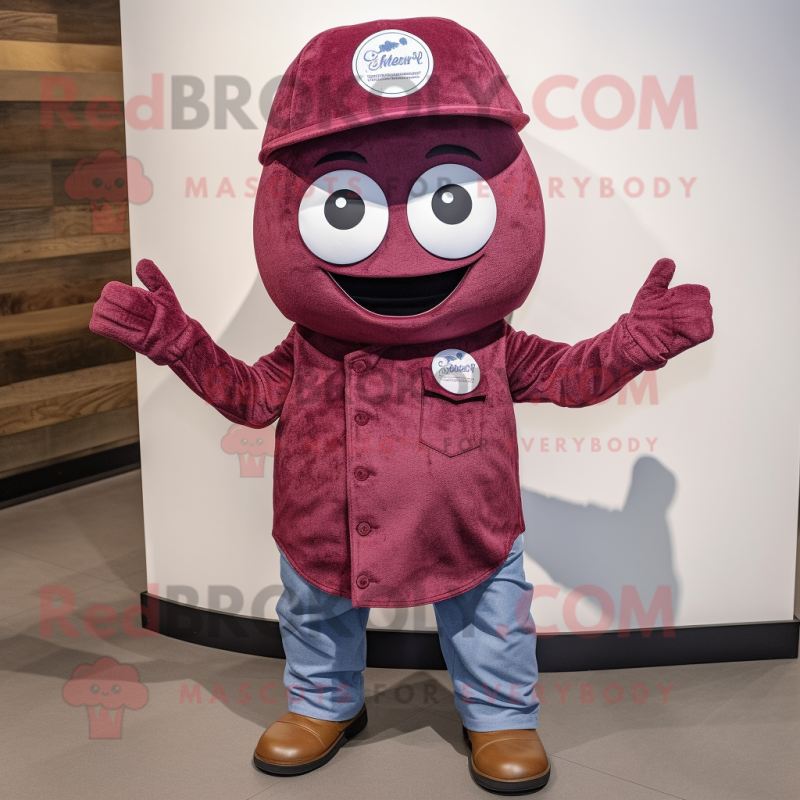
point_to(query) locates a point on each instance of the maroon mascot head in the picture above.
(397, 201)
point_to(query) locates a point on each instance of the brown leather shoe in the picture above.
(295, 744)
(507, 762)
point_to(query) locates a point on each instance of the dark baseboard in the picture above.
(409, 649)
(565, 652)
(68, 474)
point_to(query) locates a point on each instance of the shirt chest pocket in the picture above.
(449, 423)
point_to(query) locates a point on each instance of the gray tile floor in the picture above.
(722, 731)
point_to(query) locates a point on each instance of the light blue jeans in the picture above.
(487, 636)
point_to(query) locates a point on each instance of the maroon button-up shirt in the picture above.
(388, 489)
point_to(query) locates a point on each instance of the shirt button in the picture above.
(362, 581)
(364, 528)
(358, 366)
(362, 418)
(361, 474)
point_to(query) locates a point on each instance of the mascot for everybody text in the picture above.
(398, 221)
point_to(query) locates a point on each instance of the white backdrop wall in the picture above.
(689, 483)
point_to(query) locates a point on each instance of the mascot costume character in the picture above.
(398, 222)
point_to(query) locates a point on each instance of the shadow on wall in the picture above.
(592, 546)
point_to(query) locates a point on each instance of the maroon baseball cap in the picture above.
(377, 71)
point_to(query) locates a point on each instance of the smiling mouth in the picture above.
(400, 297)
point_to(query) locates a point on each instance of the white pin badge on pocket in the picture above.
(456, 371)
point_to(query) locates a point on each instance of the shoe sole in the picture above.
(353, 729)
(504, 787)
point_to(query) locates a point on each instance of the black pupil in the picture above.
(119, 183)
(344, 209)
(97, 182)
(452, 204)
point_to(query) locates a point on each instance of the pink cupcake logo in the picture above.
(106, 688)
(252, 446)
(109, 181)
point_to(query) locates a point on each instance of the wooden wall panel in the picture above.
(50, 222)
(100, 8)
(28, 26)
(45, 283)
(25, 138)
(26, 223)
(69, 245)
(77, 220)
(41, 343)
(26, 185)
(22, 85)
(89, 28)
(41, 447)
(64, 392)
(58, 398)
(56, 57)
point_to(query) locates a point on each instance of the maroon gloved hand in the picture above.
(664, 322)
(150, 322)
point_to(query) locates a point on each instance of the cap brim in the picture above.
(516, 120)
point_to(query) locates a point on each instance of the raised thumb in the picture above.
(151, 276)
(658, 280)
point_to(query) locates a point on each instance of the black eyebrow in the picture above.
(342, 155)
(451, 150)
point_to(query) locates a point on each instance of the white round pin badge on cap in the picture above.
(456, 371)
(392, 64)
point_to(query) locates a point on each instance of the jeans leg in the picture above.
(326, 649)
(489, 643)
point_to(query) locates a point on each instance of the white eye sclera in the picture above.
(451, 211)
(343, 217)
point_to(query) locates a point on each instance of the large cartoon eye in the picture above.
(343, 217)
(451, 211)
(97, 183)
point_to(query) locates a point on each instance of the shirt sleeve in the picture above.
(541, 371)
(248, 395)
